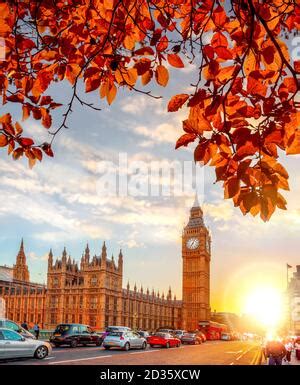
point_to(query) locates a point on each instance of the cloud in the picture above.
(163, 133)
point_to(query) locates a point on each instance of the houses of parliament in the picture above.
(92, 293)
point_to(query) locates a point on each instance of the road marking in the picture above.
(247, 351)
(78, 359)
(239, 351)
(49, 358)
(147, 351)
(232, 363)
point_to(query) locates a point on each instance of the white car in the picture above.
(125, 340)
(13, 345)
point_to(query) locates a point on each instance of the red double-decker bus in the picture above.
(212, 330)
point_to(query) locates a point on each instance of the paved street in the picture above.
(209, 353)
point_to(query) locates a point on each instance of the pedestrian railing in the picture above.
(44, 334)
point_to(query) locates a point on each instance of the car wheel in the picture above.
(106, 347)
(178, 345)
(167, 345)
(41, 352)
(126, 346)
(98, 343)
(144, 345)
(56, 345)
(151, 345)
(73, 344)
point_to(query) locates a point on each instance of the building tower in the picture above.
(196, 252)
(20, 270)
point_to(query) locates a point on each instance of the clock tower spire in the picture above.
(196, 270)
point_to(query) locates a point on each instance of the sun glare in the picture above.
(265, 304)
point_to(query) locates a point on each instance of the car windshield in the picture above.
(189, 335)
(62, 328)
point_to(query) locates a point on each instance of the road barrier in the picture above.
(44, 334)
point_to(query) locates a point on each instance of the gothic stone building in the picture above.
(91, 293)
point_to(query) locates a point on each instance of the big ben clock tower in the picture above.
(196, 251)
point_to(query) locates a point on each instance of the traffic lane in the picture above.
(210, 353)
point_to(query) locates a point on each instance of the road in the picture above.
(209, 353)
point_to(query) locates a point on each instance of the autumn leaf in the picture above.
(174, 60)
(232, 187)
(185, 139)
(162, 75)
(111, 94)
(3, 140)
(177, 102)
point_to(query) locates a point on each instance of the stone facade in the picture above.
(91, 292)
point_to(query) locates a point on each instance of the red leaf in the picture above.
(184, 140)
(177, 102)
(174, 60)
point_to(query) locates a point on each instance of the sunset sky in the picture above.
(57, 204)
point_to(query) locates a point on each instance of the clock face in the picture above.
(192, 243)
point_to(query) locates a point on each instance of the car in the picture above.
(166, 340)
(191, 338)
(179, 333)
(14, 345)
(124, 340)
(75, 334)
(8, 324)
(226, 337)
(143, 333)
(117, 329)
(161, 330)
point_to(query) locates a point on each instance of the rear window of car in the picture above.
(115, 334)
(162, 335)
(62, 328)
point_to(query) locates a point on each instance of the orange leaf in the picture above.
(232, 187)
(162, 75)
(112, 92)
(3, 140)
(174, 60)
(184, 140)
(177, 102)
(72, 71)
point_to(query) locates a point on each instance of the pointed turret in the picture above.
(20, 269)
(103, 255)
(169, 297)
(87, 254)
(120, 260)
(64, 256)
(50, 259)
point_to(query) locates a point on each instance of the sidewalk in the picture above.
(294, 360)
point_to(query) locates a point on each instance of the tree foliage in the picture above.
(243, 109)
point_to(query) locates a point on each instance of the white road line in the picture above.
(147, 351)
(78, 359)
(239, 357)
(232, 363)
